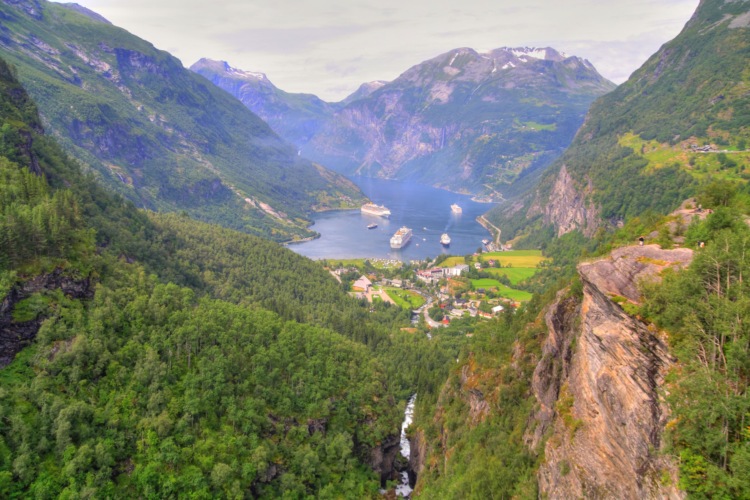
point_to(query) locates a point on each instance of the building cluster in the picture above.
(435, 274)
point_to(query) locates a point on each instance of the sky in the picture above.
(329, 47)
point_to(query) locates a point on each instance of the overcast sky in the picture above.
(329, 48)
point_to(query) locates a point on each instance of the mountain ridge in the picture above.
(156, 132)
(464, 120)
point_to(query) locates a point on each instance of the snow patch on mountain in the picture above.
(530, 52)
(245, 74)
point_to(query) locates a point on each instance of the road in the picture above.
(424, 311)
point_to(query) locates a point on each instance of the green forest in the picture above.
(152, 355)
(207, 362)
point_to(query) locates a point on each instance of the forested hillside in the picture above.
(158, 134)
(151, 355)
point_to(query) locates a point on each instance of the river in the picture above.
(426, 210)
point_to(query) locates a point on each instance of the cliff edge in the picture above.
(598, 386)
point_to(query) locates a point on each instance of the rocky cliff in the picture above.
(15, 334)
(598, 386)
(569, 207)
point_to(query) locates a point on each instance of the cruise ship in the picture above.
(401, 237)
(456, 209)
(445, 240)
(373, 209)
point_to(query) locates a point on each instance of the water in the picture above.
(403, 489)
(426, 210)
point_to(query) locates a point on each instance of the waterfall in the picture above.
(404, 489)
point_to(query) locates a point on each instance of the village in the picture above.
(442, 291)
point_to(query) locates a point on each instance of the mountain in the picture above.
(156, 132)
(464, 121)
(295, 117)
(364, 90)
(680, 119)
(629, 378)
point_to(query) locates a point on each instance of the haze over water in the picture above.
(426, 210)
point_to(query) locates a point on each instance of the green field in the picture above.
(359, 263)
(405, 299)
(507, 292)
(514, 274)
(516, 258)
(453, 261)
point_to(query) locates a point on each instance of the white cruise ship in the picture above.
(456, 209)
(373, 209)
(401, 237)
(445, 240)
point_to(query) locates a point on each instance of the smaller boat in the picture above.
(456, 209)
(445, 240)
(372, 226)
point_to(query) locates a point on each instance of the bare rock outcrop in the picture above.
(381, 458)
(598, 386)
(568, 207)
(15, 335)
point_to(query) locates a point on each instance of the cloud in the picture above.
(330, 48)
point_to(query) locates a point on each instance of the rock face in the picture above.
(417, 456)
(382, 457)
(569, 207)
(598, 386)
(654, 168)
(464, 120)
(14, 336)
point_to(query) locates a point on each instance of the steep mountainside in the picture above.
(681, 118)
(156, 132)
(464, 121)
(599, 386)
(632, 380)
(295, 117)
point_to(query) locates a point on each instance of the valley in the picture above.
(193, 303)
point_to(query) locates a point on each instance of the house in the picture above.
(497, 309)
(456, 270)
(363, 284)
(431, 275)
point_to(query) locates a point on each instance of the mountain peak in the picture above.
(86, 12)
(226, 68)
(365, 90)
(544, 53)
